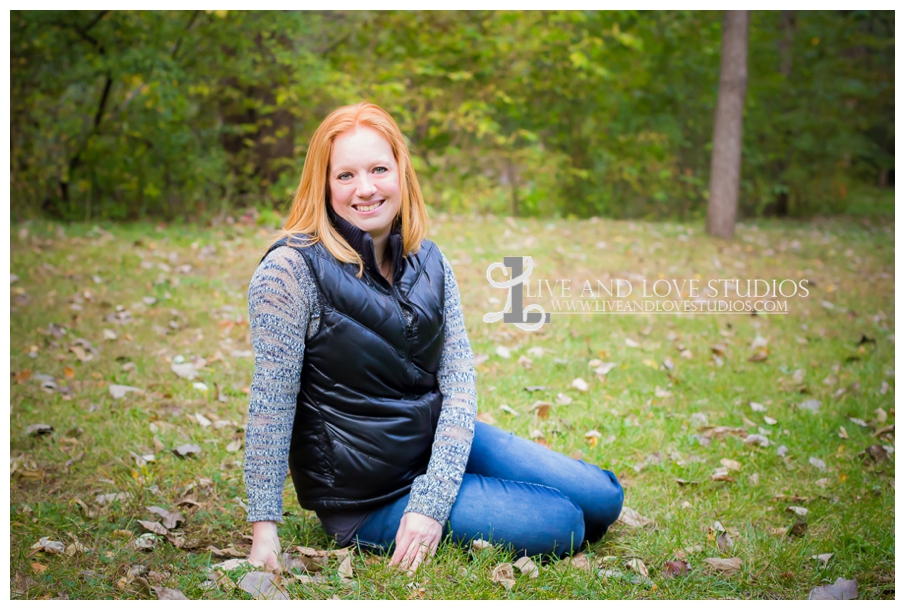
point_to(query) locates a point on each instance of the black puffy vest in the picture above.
(369, 403)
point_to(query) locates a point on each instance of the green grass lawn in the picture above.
(92, 307)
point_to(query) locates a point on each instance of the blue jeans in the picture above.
(516, 492)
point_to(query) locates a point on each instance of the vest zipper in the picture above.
(397, 301)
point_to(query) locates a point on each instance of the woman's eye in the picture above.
(381, 170)
(344, 176)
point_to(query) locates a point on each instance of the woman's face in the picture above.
(364, 181)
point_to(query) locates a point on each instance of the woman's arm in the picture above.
(434, 493)
(279, 298)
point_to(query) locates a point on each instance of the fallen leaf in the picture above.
(580, 384)
(185, 371)
(757, 439)
(721, 474)
(234, 446)
(671, 569)
(841, 589)
(636, 565)
(39, 430)
(46, 545)
(263, 585)
(756, 406)
(604, 368)
(541, 409)
(510, 410)
(345, 569)
(480, 544)
(504, 575)
(562, 399)
(817, 463)
(171, 520)
(69, 372)
(163, 593)
(76, 548)
(724, 541)
(230, 564)
(503, 352)
(153, 526)
(526, 566)
(730, 464)
(631, 518)
(118, 391)
(726, 566)
(38, 567)
(823, 558)
(579, 562)
(186, 450)
(203, 421)
(798, 510)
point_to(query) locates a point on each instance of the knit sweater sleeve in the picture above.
(434, 493)
(280, 298)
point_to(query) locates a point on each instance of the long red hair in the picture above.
(308, 218)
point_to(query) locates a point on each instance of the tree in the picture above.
(726, 160)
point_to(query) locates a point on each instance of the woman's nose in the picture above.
(365, 187)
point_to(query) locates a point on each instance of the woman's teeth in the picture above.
(368, 208)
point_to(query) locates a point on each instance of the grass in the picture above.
(76, 281)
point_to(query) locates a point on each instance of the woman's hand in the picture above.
(416, 540)
(265, 545)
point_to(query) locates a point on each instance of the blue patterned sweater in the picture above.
(284, 311)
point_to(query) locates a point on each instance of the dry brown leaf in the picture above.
(153, 526)
(526, 566)
(726, 566)
(187, 450)
(730, 464)
(671, 569)
(171, 519)
(164, 593)
(38, 567)
(632, 518)
(263, 585)
(504, 575)
(721, 474)
(541, 409)
(479, 544)
(46, 545)
(69, 372)
(345, 569)
(229, 551)
(39, 430)
(637, 566)
(841, 589)
(234, 446)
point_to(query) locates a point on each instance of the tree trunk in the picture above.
(787, 23)
(726, 160)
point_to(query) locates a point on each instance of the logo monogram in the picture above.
(528, 318)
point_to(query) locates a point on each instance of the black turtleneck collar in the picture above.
(362, 242)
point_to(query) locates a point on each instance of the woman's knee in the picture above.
(608, 499)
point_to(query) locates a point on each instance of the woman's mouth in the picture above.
(369, 207)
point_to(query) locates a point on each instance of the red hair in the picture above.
(308, 218)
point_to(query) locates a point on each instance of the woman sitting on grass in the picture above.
(364, 381)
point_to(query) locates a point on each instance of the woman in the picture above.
(364, 381)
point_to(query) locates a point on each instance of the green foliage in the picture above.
(126, 114)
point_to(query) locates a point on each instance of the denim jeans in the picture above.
(519, 493)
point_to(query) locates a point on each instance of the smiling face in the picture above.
(364, 182)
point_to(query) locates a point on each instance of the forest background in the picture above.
(198, 115)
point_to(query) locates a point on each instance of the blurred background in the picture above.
(202, 115)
